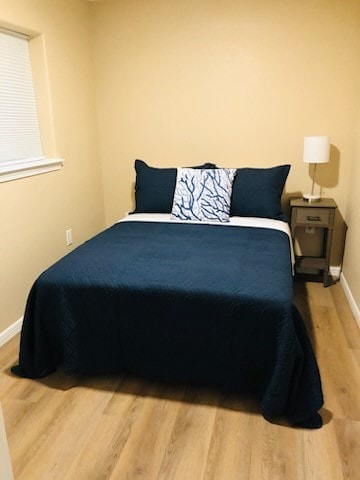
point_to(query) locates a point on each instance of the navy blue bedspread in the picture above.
(201, 304)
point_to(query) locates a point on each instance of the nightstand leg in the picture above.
(327, 257)
(326, 278)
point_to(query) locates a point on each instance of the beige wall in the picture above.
(232, 82)
(36, 211)
(351, 267)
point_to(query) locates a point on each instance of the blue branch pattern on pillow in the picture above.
(203, 195)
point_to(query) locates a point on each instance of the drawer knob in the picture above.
(313, 218)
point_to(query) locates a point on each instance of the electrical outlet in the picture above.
(310, 230)
(69, 240)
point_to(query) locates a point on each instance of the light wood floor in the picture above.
(123, 428)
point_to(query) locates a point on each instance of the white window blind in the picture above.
(21, 153)
(19, 125)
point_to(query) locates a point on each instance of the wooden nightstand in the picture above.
(320, 215)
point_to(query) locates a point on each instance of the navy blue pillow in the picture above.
(257, 192)
(155, 187)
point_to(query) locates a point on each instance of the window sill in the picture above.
(13, 170)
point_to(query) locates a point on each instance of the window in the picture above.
(21, 152)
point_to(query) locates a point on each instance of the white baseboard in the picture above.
(335, 271)
(10, 332)
(354, 307)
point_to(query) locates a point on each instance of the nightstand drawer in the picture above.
(313, 216)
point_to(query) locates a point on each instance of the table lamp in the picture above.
(316, 150)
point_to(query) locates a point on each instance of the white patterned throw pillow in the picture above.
(203, 195)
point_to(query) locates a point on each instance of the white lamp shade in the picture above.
(316, 149)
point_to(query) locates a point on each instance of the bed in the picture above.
(177, 301)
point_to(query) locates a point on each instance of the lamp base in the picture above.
(308, 197)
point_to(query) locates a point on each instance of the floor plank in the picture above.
(185, 457)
